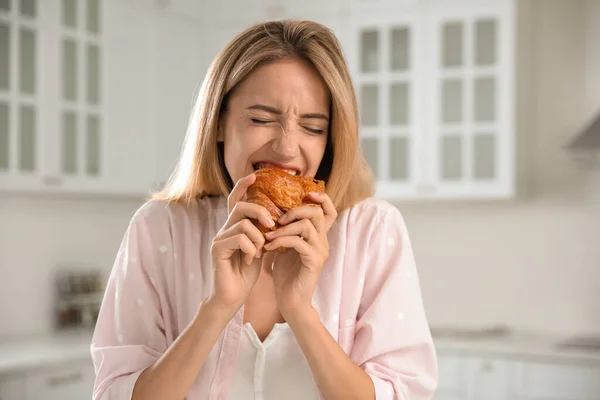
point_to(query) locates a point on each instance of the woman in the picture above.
(199, 307)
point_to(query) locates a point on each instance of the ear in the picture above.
(220, 135)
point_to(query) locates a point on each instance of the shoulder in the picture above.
(370, 211)
(165, 214)
(370, 222)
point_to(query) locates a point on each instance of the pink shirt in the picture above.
(368, 297)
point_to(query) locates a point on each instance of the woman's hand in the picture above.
(237, 248)
(295, 273)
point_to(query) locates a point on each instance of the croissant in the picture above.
(279, 191)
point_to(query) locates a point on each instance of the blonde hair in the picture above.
(201, 170)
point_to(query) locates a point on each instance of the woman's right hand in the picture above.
(237, 248)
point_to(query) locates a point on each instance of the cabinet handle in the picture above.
(52, 181)
(64, 380)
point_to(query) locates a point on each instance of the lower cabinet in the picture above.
(498, 377)
(73, 381)
(12, 387)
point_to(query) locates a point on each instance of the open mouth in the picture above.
(260, 165)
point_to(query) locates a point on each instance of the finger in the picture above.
(329, 209)
(226, 247)
(243, 210)
(313, 213)
(291, 242)
(303, 229)
(239, 190)
(249, 229)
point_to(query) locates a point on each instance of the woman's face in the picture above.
(277, 117)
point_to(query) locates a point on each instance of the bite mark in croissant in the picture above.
(279, 192)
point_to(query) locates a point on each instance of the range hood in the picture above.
(589, 139)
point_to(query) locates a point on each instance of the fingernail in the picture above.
(270, 234)
(271, 222)
(314, 194)
(282, 219)
(259, 253)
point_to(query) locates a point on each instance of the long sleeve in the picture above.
(130, 331)
(392, 340)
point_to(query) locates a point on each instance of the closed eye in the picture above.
(259, 121)
(315, 131)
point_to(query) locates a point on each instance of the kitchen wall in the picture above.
(533, 263)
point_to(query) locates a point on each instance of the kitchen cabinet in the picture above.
(472, 376)
(561, 381)
(75, 382)
(452, 378)
(58, 382)
(23, 98)
(106, 109)
(436, 95)
(180, 68)
(73, 109)
(487, 378)
(12, 388)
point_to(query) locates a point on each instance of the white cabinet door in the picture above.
(537, 380)
(487, 378)
(130, 144)
(180, 70)
(435, 84)
(22, 100)
(61, 383)
(12, 388)
(77, 129)
(386, 62)
(470, 84)
(75, 98)
(452, 378)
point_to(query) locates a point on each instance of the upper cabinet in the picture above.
(180, 67)
(95, 95)
(22, 97)
(57, 106)
(436, 92)
(87, 109)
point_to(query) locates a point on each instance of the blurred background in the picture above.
(478, 117)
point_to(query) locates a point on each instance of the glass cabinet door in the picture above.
(385, 74)
(472, 119)
(80, 122)
(19, 89)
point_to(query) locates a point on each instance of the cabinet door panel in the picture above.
(61, 383)
(12, 388)
(129, 151)
(560, 381)
(471, 86)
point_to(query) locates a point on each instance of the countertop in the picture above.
(531, 346)
(28, 353)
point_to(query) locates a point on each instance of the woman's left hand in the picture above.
(295, 273)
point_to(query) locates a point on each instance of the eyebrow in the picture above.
(275, 111)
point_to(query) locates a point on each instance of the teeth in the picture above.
(289, 171)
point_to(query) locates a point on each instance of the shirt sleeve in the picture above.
(392, 341)
(130, 333)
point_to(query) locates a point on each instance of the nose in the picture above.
(286, 143)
